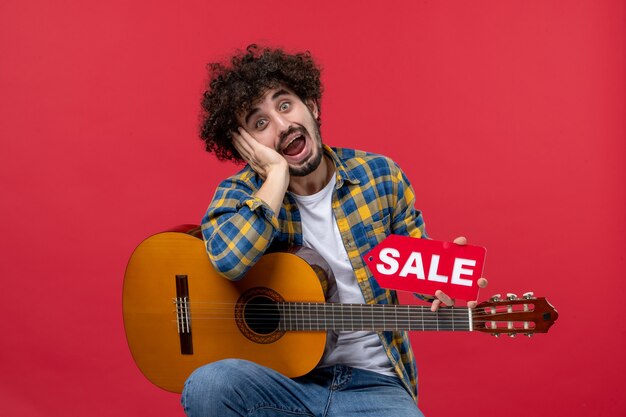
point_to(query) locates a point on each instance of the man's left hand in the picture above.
(441, 297)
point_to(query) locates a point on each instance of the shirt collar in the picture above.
(343, 173)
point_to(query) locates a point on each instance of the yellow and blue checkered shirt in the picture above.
(372, 199)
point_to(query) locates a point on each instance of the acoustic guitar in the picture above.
(180, 314)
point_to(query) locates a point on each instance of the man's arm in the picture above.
(237, 227)
(240, 222)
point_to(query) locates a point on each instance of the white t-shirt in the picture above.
(359, 349)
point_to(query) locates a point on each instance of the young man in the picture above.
(264, 109)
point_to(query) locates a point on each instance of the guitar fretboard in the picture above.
(371, 317)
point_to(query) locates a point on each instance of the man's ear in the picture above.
(312, 105)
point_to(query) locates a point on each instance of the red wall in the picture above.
(508, 116)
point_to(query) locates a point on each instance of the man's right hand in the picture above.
(266, 162)
(261, 158)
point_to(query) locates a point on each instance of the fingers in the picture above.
(482, 283)
(243, 143)
(247, 137)
(441, 297)
(249, 149)
(246, 151)
(262, 158)
(461, 240)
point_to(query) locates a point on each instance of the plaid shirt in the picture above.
(372, 199)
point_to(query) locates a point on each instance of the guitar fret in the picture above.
(396, 318)
(408, 311)
(452, 311)
(309, 315)
(317, 316)
(295, 316)
(290, 318)
(351, 318)
(383, 321)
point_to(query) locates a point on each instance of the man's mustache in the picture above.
(292, 129)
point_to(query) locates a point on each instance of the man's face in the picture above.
(282, 121)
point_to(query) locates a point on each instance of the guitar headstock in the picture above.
(513, 315)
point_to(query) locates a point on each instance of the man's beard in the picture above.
(309, 166)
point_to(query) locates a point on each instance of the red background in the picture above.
(508, 116)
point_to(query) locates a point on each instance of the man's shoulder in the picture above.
(358, 160)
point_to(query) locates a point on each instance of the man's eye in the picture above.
(284, 106)
(260, 123)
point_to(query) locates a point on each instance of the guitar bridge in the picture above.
(183, 315)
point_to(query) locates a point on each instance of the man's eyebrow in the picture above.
(250, 114)
(255, 110)
(279, 93)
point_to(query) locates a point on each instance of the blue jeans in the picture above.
(234, 387)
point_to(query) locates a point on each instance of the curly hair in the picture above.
(232, 90)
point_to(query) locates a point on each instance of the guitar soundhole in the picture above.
(257, 315)
(261, 315)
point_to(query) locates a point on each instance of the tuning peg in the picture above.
(495, 334)
(495, 297)
(511, 296)
(528, 334)
(528, 295)
(512, 334)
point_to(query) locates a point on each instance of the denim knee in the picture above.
(213, 385)
(220, 375)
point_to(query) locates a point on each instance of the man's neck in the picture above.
(315, 181)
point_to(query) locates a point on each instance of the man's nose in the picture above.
(282, 124)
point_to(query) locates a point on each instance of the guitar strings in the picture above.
(379, 309)
(295, 318)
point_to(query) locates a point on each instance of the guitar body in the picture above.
(152, 319)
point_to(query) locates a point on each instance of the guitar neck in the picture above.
(371, 317)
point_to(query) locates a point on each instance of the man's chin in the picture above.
(307, 167)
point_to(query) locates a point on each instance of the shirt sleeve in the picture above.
(237, 228)
(407, 220)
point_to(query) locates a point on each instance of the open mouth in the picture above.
(293, 142)
(295, 145)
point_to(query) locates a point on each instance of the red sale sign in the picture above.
(425, 266)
